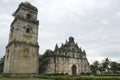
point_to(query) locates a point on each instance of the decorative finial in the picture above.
(84, 52)
(56, 47)
(71, 39)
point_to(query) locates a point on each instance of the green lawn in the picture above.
(5, 78)
(66, 78)
(22, 79)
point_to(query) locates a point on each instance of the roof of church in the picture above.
(69, 46)
(69, 49)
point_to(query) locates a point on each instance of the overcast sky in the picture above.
(95, 25)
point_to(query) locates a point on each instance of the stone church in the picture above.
(22, 52)
(68, 59)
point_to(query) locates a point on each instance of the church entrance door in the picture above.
(74, 70)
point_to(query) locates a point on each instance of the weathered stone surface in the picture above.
(21, 58)
(69, 58)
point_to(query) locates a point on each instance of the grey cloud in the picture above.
(93, 23)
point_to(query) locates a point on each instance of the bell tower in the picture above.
(21, 57)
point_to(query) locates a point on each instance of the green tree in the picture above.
(1, 64)
(119, 66)
(115, 67)
(95, 67)
(106, 64)
(44, 60)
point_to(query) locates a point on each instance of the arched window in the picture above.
(28, 16)
(27, 30)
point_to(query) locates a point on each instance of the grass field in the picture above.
(23, 79)
(66, 78)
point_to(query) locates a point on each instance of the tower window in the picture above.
(7, 53)
(28, 16)
(27, 30)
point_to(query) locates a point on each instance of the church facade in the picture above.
(68, 59)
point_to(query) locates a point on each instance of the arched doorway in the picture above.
(74, 70)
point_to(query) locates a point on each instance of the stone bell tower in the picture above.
(21, 58)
